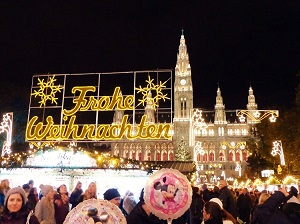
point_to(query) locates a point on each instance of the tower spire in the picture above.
(252, 105)
(220, 116)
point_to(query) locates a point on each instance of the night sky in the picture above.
(233, 43)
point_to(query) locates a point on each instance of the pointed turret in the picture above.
(183, 67)
(150, 108)
(252, 105)
(118, 115)
(183, 83)
(220, 116)
(183, 96)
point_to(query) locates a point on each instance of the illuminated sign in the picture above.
(61, 112)
(61, 159)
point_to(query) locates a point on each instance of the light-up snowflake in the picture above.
(199, 122)
(6, 126)
(157, 88)
(47, 91)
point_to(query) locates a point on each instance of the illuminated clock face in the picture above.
(182, 81)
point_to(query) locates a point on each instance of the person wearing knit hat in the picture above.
(112, 195)
(44, 209)
(15, 210)
(45, 189)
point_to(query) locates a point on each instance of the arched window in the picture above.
(140, 155)
(230, 157)
(237, 157)
(158, 156)
(205, 157)
(164, 155)
(221, 157)
(116, 150)
(211, 157)
(183, 106)
(148, 155)
(133, 155)
(126, 153)
(198, 157)
(171, 156)
(245, 156)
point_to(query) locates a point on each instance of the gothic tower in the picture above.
(183, 96)
(251, 106)
(149, 109)
(220, 116)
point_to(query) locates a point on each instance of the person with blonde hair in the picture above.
(44, 209)
(268, 212)
(263, 197)
(91, 192)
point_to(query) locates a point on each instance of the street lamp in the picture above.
(256, 116)
(6, 126)
(278, 150)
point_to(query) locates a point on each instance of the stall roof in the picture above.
(182, 166)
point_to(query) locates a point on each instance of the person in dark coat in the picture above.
(292, 208)
(227, 198)
(61, 204)
(206, 194)
(75, 194)
(243, 205)
(141, 214)
(269, 213)
(15, 210)
(33, 199)
(196, 207)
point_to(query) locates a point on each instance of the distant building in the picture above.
(216, 139)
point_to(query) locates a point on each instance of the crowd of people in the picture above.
(222, 204)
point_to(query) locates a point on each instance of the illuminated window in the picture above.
(236, 131)
(126, 153)
(229, 131)
(133, 155)
(165, 156)
(140, 156)
(171, 156)
(237, 156)
(221, 157)
(230, 157)
(198, 157)
(205, 157)
(244, 156)
(221, 131)
(158, 156)
(149, 156)
(211, 157)
(183, 107)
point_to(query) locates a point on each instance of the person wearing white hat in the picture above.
(44, 209)
(15, 210)
(227, 218)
